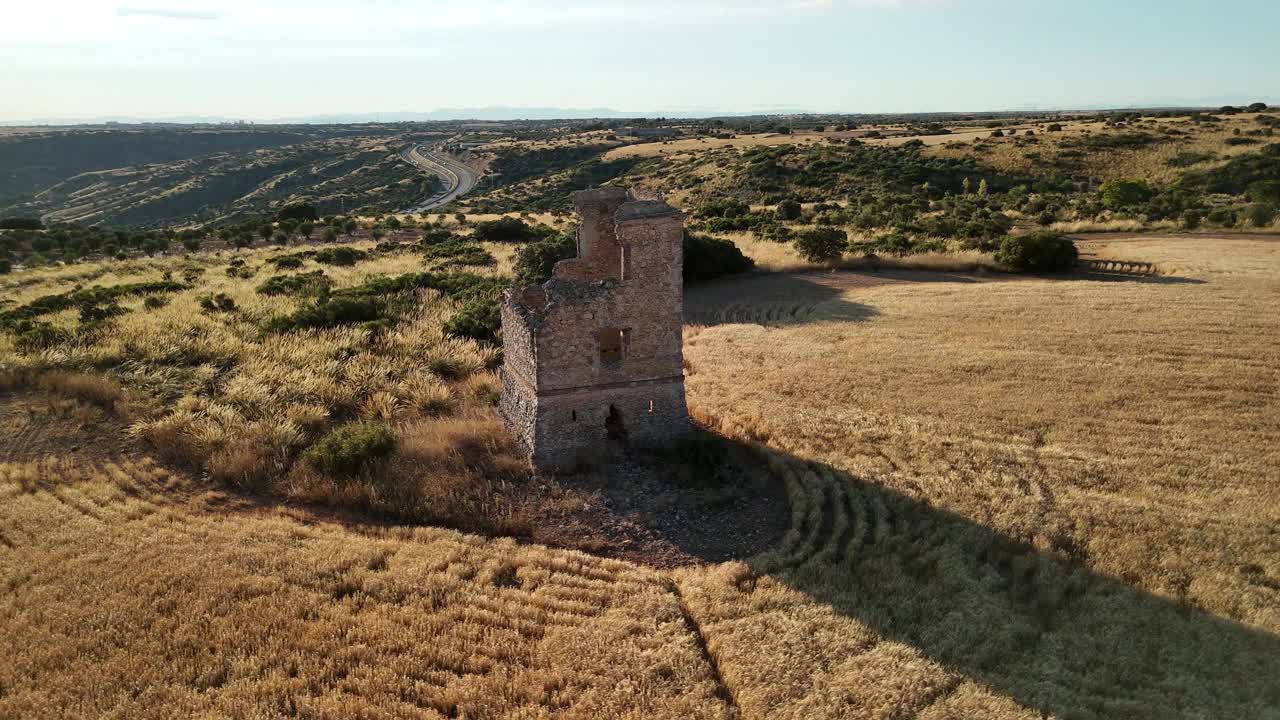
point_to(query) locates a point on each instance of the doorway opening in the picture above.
(614, 428)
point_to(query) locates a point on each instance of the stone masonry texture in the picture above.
(594, 356)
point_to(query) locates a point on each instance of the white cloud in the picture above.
(167, 13)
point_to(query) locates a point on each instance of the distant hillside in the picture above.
(30, 163)
(172, 176)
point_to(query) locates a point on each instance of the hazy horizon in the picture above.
(285, 59)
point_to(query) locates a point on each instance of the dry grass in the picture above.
(695, 145)
(1010, 154)
(1010, 499)
(210, 390)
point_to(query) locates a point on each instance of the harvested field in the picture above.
(1008, 499)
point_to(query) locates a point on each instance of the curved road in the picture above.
(459, 179)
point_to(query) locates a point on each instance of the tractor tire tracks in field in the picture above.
(700, 641)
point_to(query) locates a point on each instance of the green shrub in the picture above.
(37, 335)
(383, 298)
(1260, 214)
(707, 257)
(155, 302)
(1038, 252)
(6, 266)
(1224, 217)
(899, 244)
(460, 252)
(1120, 194)
(888, 244)
(1191, 219)
(221, 302)
(96, 295)
(1267, 191)
(340, 256)
(478, 320)
(722, 209)
(351, 448)
(311, 283)
(822, 244)
(535, 261)
(287, 262)
(297, 211)
(435, 236)
(773, 232)
(91, 313)
(789, 210)
(330, 312)
(506, 229)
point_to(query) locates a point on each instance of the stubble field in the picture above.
(1008, 499)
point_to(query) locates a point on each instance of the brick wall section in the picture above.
(623, 295)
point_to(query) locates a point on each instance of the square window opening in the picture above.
(613, 344)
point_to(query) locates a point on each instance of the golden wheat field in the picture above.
(1008, 498)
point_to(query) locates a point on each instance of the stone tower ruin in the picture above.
(594, 355)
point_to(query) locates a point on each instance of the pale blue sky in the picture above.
(260, 59)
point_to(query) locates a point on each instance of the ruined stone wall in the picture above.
(519, 403)
(647, 305)
(572, 424)
(597, 238)
(602, 338)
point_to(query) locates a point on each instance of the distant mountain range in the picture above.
(502, 113)
(490, 114)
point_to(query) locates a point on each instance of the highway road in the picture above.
(457, 177)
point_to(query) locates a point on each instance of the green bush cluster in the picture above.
(460, 252)
(286, 262)
(96, 295)
(384, 298)
(508, 229)
(823, 244)
(479, 320)
(899, 244)
(722, 208)
(1260, 214)
(706, 258)
(756, 221)
(789, 210)
(1041, 251)
(351, 449)
(341, 255)
(35, 335)
(218, 302)
(310, 283)
(535, 261)
(1122, 194)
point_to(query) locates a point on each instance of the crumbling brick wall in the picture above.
(594, 355)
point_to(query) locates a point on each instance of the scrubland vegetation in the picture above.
(262, 476)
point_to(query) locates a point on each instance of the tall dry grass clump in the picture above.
(213, 387)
